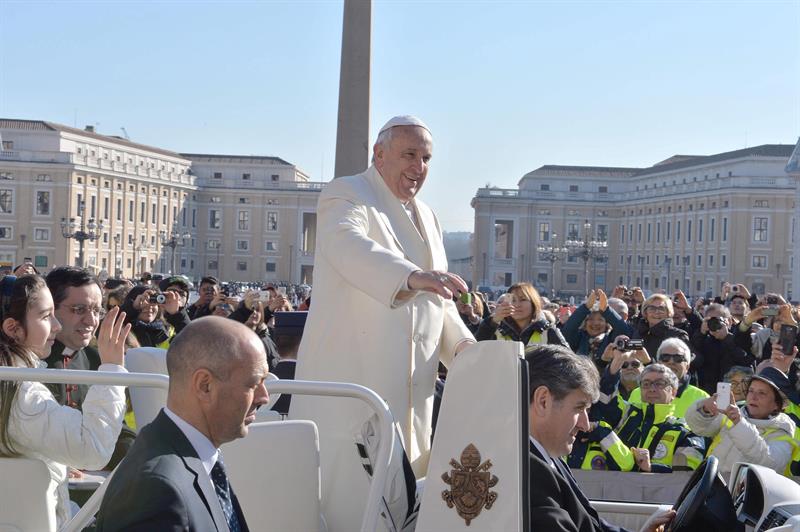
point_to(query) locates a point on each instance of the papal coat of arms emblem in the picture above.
(469, 483)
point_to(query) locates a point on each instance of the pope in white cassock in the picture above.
(382, 314)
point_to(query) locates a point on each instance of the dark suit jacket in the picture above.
(556, 501)
(284, 370)
(162, 485)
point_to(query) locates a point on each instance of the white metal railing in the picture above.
(331, 389)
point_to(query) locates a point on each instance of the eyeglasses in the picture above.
(631, 364)
(667, 357)
(661, 309)
(660, 384)
(81, 310)
(738, 385)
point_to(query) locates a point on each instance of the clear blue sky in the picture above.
(506, 86)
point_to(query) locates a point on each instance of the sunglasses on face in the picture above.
(631, 364)
(666, 357)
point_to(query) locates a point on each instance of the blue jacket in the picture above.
(578, 339)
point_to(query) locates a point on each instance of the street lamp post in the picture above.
(87, 231)
(552, 253)
(587, 249)
(173, 240)
(117, 258)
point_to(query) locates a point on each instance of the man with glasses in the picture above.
(178, 284)
(79, 308)
(648, 436)
(675, 355)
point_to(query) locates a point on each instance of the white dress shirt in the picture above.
(205, 450)
(549, 459)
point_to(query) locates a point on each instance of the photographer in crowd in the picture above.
(684, 316)
(208, 289)
(156, 317)
(758, 432)
(593, 326)
(715, 349)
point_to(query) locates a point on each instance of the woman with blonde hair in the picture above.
(519, 317)
(655, 324)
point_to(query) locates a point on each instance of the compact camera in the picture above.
(771, 310)
(714, 324)
(627, 344)
(735, 289)
(157, 299)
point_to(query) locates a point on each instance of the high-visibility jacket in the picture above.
(669, 440)
(687, 395)
(600, 449)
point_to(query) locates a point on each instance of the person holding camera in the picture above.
(684, 317)
(655, 323)
(593, 326)
(518, 317)
(758, 432)
(156, 317)
(715, 348)
(470, 308)
(208, 289)
(676, 355)
(633, 298)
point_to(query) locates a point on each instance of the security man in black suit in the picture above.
(174, 478)
(563, 387)
(287, 333)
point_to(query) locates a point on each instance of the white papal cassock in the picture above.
(365, 327)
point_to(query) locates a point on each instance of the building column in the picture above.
(793, 169)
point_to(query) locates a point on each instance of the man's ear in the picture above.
(541, 401)
(202, 384)
(13, 329)
(377, 155)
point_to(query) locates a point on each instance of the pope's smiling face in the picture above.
(403, 160)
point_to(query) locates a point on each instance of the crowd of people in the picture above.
(660, 360)
(622, 382)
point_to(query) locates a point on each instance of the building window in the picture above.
(41, 234)
(194, 217)
(246, 177)
(572, 278)
(241, 266)
(43, 177)
(725, 228)
(669, 228)
(40, 261)
(544, 231)
(8, 145)
(244, 221)
(712, 227)
(270, 245)
(274, 177)
(622, 234)
(106, 208)
(688, 230)
(630, 232)
(761, 203)
(699, 260)
(700, 230)
(242, 245)
(154, 214)
(544, 187)
(271, 267)
(573, 188)
(639, 232)
(142, 213)
(214, 219)
(649, 231)
(217, 175)
(723, 260)
(272, 221)
(6, 233)
(602, 232)
(760, 229)
(93, 207)
(119, 210)
(213, 265)
(711, 261)
(759, 261)
(6, 201)
(43, 202)
(603, 190)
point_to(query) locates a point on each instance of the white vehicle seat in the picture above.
(485, 405)
(146, 402)
(23, 488)
(275, 472)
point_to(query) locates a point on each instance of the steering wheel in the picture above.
(694, 495)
